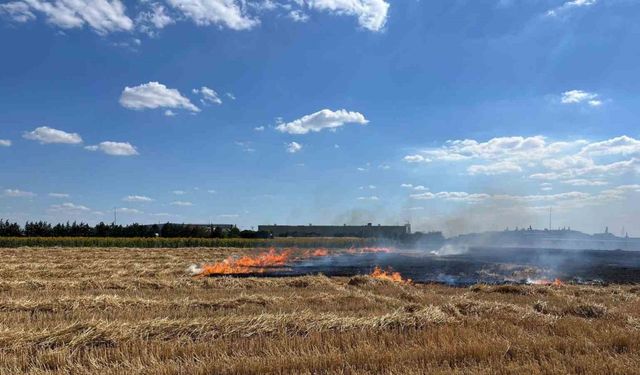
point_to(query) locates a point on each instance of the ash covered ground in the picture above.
(477, 265)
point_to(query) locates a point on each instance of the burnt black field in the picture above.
(481, 265)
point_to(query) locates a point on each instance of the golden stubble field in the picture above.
(137, 311)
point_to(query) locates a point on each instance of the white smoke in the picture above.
(194, 269)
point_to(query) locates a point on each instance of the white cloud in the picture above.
(372, 14)
(622, 145)
(5, 143)
(245, 145)
(154, 19)
(137, 198)
(567, 6)
(416, 159)
(592, 170)
(179, 192)
(69, 208)
(370, 198)
(59, 195)
(103, 16)
(211, 191)
(579, 96)
(500, 167)
(370, 187)
(406, 185)
(208, 95)
(298, 16)
(16, 193)
(181, 203)
(45, 134)
(154, 95)
(169, 113)
(130, 211)
(228, 13)
(18, 11)
(293, 147)
(114, 148)
(259, 128)
(230, 96)
(324, 119)
(455, 196)
(583, 182)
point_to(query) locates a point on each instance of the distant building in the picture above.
(369, 230)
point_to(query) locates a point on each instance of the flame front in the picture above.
(247, 264)
(272, 258)
(389, 275)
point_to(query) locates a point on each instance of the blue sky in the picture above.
(456, 115)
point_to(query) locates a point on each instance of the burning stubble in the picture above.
(134, 311)
(473, 266)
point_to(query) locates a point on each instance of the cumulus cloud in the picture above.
(323, 119)
(371, 14)
(137, 198)
(102, 16)
(259, 128)
(298, 16)
(369, 198)
(592, 170)
(579, 96)
(622, 145)
(154, 95)
(179, 192)
(293, 147)
(130, 211)
(69, 207)
(18, 11)
(114, 148)
(416, 159)
(17, 193)
(208, 95)
(460, 196)
(5, 143)
(567, 6)
(181, 203)
(583, 182)
(495, 168)
(224, 13)
(45, 134)
(59, 195)
(153, 19)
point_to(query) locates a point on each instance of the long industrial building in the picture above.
(369, 230)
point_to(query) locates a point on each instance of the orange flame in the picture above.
(247, 264)
(272, 258)
(389, 275)
(320, 253)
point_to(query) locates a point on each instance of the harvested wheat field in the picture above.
(137, 311)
